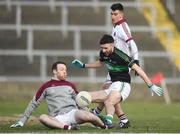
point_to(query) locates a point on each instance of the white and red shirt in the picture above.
(123, 39)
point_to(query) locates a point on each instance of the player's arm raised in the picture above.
(80, 64)
(94, 65)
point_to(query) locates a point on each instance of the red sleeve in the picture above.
(41, 90)
(75, 89)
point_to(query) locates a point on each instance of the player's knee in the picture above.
(109, 102)
(105, 86)
(43, 117)
(112, 101)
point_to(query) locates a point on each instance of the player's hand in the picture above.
(137, 62)
(78, 63)
(17, 124)
(155, 89)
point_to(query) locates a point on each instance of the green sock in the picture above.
(109, 118)
(102, 117)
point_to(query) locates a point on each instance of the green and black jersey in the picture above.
(118, 64)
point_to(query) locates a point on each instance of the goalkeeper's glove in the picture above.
(155, 89)
(17, 124)
(78, 63)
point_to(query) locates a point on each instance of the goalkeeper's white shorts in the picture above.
(108, 78)
(67, 118)
(123, 87)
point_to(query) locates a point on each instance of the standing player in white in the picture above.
(124, 42)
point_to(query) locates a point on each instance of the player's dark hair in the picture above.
(106, 39)
(117, 6)
(54, 66)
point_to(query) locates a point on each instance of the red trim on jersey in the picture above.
(126, 31)
(75, 89)
(54, 83)
(129, 39)
(121, 21)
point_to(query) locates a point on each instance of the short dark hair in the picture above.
(54, 66)
(117, 6)
(106, 39)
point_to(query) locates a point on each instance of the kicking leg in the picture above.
(100, 106)
(98, 96)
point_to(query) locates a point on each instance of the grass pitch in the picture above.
(145, 117)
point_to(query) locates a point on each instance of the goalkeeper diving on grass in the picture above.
(117, 64)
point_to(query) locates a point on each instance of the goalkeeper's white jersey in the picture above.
(123, 39)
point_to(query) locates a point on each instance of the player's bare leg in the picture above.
(123, 120)
(50, 121)
(110, 102)
(98, 96)
(118, 110)
(82, 116)
(100, 106)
